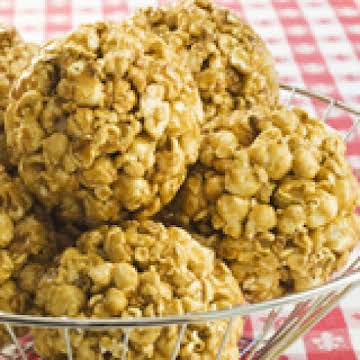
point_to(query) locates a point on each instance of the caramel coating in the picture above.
(12, 300)
(25, 234)
(229, 61)
(105, 123)
(277, 190)
(139, 269)
(28, 243)
(15, 56)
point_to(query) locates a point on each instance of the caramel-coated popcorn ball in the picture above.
(105, 124)
(140, 269)
(229, 61)
(277, 191)
(24, 234)
(12, 300)
(27, 244)
(15, 56)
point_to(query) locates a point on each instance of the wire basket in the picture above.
(306, 308)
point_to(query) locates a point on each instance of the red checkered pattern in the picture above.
(316, 44)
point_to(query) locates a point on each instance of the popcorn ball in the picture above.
(139, 269)
(27, 244)
(12, 300)
(24, 233)
(15, 56)
(105, 124)
(275, 196)
(229, 61)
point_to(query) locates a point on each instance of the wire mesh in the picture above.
(308, 307)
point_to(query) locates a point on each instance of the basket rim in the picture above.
(345, 281)
(348, 280)
(352, 109)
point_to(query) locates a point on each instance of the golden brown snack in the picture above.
(15, 56)
(141, 269)
(114, 118)
(25, 234)
(12, 300)
(27, 245)
(17, 296)
(229, 61)
(278, 190)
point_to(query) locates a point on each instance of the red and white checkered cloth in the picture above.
(316, 44)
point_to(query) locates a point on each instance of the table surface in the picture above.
(315, 43)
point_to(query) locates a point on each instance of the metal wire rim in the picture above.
(190, 318)
(347, 279)
(335, 103)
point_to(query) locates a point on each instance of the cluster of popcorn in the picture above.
(148, 169)
(28, 241)
(15, 56)
(230, 63)
(138, 269)
(114, 122)
(276, 195)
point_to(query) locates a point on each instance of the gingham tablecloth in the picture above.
(316, 44)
